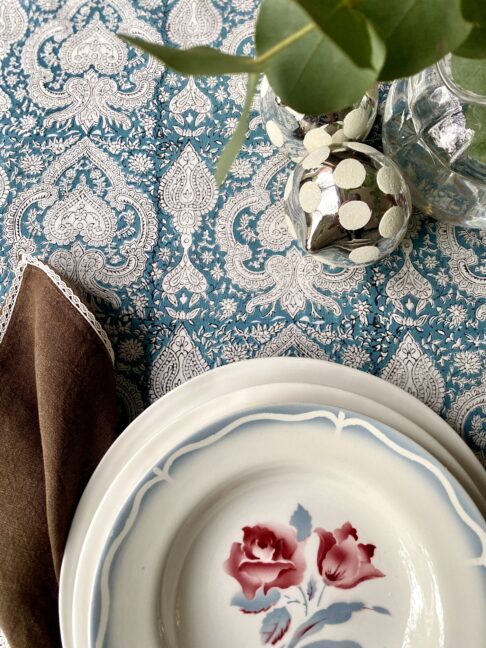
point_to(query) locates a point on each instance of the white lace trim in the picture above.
(9, 304)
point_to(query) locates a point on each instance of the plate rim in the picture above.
(453, 493)
(223, 380)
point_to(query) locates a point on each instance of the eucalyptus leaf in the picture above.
(475, 44)
(234, 145)
(470, 74)
(309, 65)
(474, 10)
(417, 33)
(344, 26)
(196, 60)
(476, 120)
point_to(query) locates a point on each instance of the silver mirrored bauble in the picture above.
(297, 134)
(347, 204)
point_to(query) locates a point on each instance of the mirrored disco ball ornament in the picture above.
(297, 134)
(347, 204)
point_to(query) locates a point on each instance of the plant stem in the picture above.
(304, 598)
(320, 595)
(285, 43)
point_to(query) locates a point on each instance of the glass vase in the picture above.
(429, 131)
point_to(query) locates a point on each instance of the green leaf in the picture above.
(311, 66)
(347, 28)
(234, 145)
(476, 120)
(196, 60)
(470, 74)
(417, 33)
(475, 45)
(474, 11)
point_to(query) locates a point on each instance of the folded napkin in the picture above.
(57, 419)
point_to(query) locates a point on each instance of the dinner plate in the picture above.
(203, 390)
(237, 403)
(281, 527)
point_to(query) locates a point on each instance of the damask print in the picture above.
(81, 204)
(414, 371)
(79, 70)
(187, 192)
(13, 23)
(291, 279)
(194, 22)
(179, 362)
(106, 171)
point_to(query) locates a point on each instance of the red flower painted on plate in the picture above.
(268, 556)
(342, 560)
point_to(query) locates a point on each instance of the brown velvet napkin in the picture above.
(57, 419)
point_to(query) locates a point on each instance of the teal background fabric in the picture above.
(106, 164)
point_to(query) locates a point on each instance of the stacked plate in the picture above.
(282, 502)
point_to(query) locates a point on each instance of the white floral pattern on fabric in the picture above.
(79, 70)
(116, 193)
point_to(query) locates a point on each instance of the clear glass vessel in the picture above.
(429, 131)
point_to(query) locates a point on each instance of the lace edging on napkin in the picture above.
(9, 303)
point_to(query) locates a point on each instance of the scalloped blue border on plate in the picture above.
(478, 544)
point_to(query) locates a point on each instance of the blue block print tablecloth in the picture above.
(106, 167)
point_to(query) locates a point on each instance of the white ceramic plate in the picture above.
(283, 527)
(203, 390)
(235, 404)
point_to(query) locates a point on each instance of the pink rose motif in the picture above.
(269, 556)
(342, 560)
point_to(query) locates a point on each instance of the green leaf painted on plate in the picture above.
(196, 60)
(234, 145)
(417, 33)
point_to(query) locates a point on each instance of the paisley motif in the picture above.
(5, 102)
(13, 23)
(4, 187)
(107, 82)
(194, 22)
(408, 282)
(273, 230)
(190, 98)
(413, 371)
(94, 46)
(472, 400)
(178, 362)
(187, 192)
(81, 213)
(461, 261)
(232, 44)
(95, 205)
